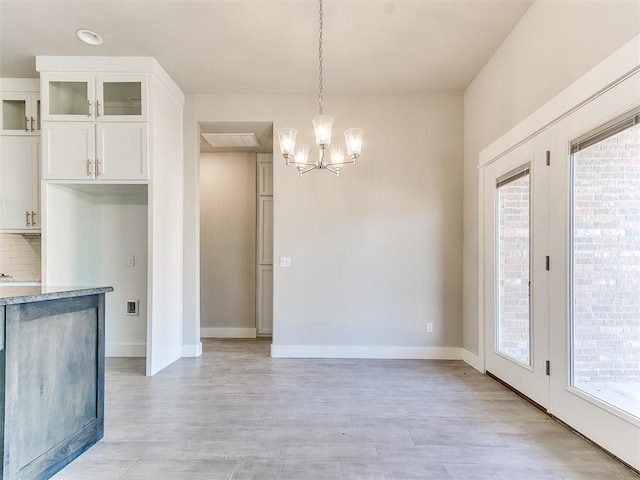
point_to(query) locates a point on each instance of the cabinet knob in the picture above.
(89, 168)
(89, 109)
(98, 167)
(33, 121)
(97, 108)
(26, 124)
(28, 224)
(33, 218)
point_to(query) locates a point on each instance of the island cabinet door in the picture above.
(55, 378)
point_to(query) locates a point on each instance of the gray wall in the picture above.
(228, 240)
(377, 252)
(553, 45)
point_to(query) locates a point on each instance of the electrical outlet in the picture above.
(429, 327)
(131, 261)
(133, 308)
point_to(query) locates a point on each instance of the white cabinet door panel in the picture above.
(122, 152)
(265, 231)
(18, 181)
(265, 300)
(68, 151)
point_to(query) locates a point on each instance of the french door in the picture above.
(595, 270)
(562, 269)
(516, 283)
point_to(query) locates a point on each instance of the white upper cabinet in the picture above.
(20, 113)
(86, 97)
(19, 184)
(87, 151)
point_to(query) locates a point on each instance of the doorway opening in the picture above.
(236, 229)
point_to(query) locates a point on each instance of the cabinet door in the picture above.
(265, 231)
(18, 180)
(68, 97)
(15, 113)
(68, 150)
(122, 151)
(264, 305)
(265, 178)
(121, 98)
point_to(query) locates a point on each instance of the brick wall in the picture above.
(607, 260)
(513, 261)
(20, 256)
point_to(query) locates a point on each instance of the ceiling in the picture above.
(270, 46)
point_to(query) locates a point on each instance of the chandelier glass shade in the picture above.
(331, 156)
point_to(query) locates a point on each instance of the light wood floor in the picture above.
(235, 413)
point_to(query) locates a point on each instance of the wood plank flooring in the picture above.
(235, 413)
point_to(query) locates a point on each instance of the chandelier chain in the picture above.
(320, 61)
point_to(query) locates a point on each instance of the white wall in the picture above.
(96, 232)
(376, 252)
(227, 242)
(554, 44)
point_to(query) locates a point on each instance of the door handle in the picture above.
(89, 168)
(33, 218)
(89, 109)
(97, 108)
(33, 120)
(26, 124)
(28, 224)
(98, 167)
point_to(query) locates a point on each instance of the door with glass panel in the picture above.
(595, 270)
(516, 292)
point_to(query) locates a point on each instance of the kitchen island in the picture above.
(51, 377)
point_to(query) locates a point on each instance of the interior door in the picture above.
(516, 284)
(595, 270)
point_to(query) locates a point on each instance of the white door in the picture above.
(68, 150)
(122, 151)
(595, 270)
(516, 285)
(18, 177)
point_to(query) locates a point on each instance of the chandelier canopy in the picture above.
(332, 156)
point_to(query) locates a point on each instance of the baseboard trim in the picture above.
(358, 351)
(192, 350)
(215, 332)
(473, 360)
(125, 350)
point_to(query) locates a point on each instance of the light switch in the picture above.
(285, 262)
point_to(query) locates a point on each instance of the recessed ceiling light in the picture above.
(89, 37)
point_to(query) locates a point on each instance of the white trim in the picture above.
(31, 85)
(360, 351)
(215, 332)
(617, 66)
(125, 350)
(192, 350)
(473, 360)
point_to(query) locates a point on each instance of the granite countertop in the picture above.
(10, 295)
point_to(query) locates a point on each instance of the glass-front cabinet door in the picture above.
(68, 97)
(121, 98)
(20, 113)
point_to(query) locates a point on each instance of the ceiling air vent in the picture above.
(231, 140)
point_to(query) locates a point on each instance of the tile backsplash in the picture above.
(20, 256)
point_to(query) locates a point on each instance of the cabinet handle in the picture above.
(28, 224)
(33, 120)
(89, 103)
(26, 124)
(89, 168)
(97, 108)
(33, 218)
(98, 167)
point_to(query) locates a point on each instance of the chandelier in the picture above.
(332, 156)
